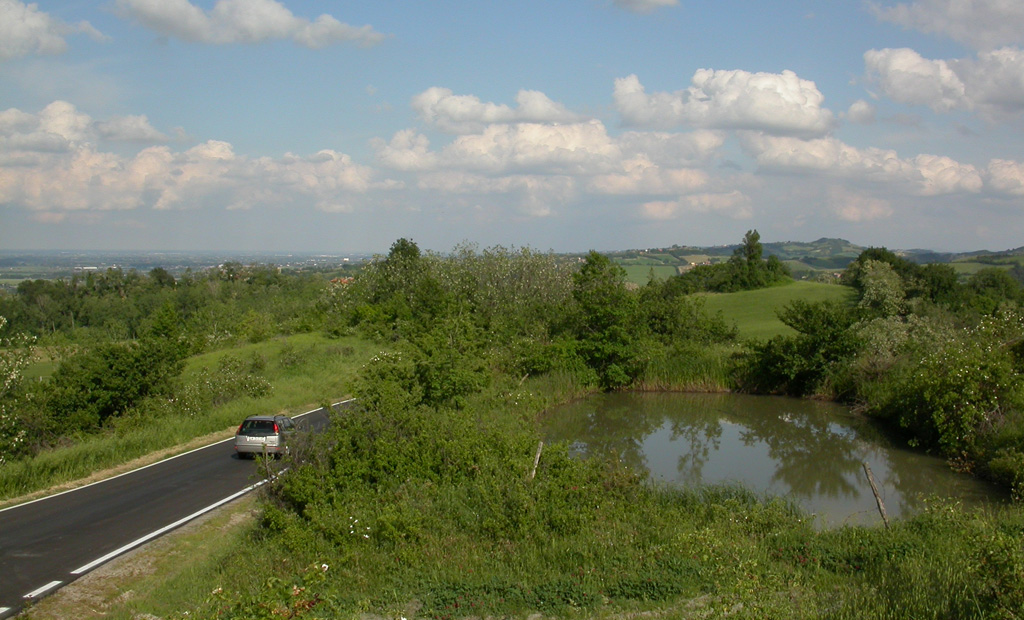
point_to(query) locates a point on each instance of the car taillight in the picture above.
(239, 431)
(276, 429)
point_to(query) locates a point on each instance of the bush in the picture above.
(799, 365)
(105, 381)
(949, 392)
(14, 427)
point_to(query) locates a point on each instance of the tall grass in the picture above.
(693, 368)
(304, 370)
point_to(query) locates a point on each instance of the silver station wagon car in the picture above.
(264, 434)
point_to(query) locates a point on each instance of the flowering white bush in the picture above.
(963, 386)
(14, 355)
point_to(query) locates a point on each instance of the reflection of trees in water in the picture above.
(699, 425)
(606, 426)
(918, 476)
(812, 456)
(816, 451)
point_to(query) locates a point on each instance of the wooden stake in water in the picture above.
(878, 498)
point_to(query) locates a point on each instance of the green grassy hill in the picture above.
(641, 274)
(755, 312)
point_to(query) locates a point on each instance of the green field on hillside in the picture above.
(967, 268)
(756, 312)
(641, 274)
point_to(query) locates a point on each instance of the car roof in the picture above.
(265, 417)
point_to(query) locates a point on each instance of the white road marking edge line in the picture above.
(85, 486)
(166, 528)
(39, 591)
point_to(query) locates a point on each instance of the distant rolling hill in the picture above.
(806, 260)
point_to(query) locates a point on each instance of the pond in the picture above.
(812, 452)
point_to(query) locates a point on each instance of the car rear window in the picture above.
(257, 427)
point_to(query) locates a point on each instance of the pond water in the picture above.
(809, 451)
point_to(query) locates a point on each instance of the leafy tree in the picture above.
(160, 277)
(948, 391)
(882, 292)
(800, 365)
(905, 269)
(992, 286)
(606, 322)
(745, 270)
(92, 386)
(936, 283)
(399, 292)
(256, 326)
(1017, 273)
(939, 284)
(749, 269)
(674, 317)
(450, 361)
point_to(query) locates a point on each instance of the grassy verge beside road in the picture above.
(449, 524)
(302, 372)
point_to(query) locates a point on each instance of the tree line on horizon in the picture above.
(120, 338)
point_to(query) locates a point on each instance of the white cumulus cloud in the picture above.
(453, 113)
(776, 103)
(133, 128)
(992, 83)
(407, 151)
(532, 195)
(1006, 177)
(673, 149)
(922, 175)
(24, 30)
(577, 148)
(641, 176)
(734, 204)
(243, 21)
(907, 77)
(60, 125)
(855, 207)
(861, 112)
(995, 81)
(551, 162)
(983, 24)
(50, 164)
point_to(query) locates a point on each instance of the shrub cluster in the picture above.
(942, 361)
(517, 312)
(14, 355)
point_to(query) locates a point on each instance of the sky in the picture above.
(569, 125)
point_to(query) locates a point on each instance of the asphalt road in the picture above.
(50, 542)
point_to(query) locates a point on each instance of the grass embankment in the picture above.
(438, 517)
(304, 370)
(434, 514)
(756, 312)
